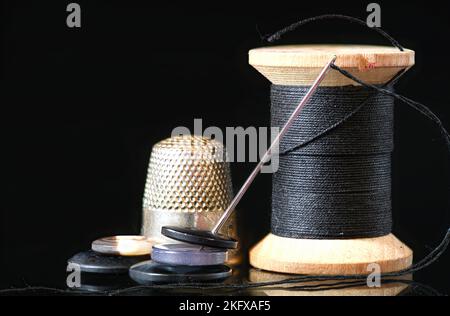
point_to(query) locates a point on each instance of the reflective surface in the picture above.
(262, 283)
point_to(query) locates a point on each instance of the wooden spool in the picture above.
(300, 65)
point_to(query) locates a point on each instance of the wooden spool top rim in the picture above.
(348, 56)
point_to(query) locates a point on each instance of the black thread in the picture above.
(350, 114)
(338, 186)
(336, 285)
(277, 35)
(384, 90)
(384, 277)
(421, 108)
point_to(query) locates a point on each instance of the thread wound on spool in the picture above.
(337, 186)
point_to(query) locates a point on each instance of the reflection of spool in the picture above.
(292, 69)
(326, 287)
(188, 185)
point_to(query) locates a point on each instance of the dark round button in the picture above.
(93, 262)
(199, 237)
(149, 272)
(188, 255)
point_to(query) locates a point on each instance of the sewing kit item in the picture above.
(331, 198)
(93, 262)
(199, 237)
(149, 272)
(188, 185)
(189, 255)
(213, 238)
(123, 245)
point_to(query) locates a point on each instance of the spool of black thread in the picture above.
(331, 199)
(338, 186)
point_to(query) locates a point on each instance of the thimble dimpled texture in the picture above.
(188, 185)
(188, 174)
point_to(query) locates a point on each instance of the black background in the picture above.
(81, 109)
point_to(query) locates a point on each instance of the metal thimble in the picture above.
(188, 185)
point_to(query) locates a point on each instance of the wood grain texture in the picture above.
(301, 64)
(330, 256)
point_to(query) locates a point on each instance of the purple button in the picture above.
(188, 255)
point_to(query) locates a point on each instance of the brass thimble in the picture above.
(188, 185)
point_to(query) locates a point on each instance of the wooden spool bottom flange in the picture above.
(330, 256)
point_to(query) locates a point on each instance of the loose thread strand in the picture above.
(277, 35)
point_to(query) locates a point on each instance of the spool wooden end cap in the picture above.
(330, 256)
(300, 64)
